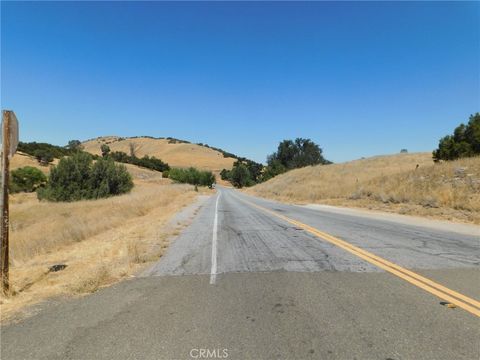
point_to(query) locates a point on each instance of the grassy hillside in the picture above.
(449, 190)
(21, 160)
(176, 154)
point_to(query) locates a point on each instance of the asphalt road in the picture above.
(256, 279)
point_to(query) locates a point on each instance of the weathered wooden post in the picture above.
(9, 146)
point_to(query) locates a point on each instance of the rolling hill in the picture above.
(175, 152)
(403, 183)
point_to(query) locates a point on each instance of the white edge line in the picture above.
(213, 271)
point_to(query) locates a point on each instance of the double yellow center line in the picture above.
(453, 297)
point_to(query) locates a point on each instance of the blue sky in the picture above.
(360, 79)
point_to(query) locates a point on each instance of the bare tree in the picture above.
(133, 149)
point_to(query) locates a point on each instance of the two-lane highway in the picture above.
(257, 279)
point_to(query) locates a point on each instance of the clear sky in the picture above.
(360, 79)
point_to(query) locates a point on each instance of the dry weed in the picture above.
(91, 283)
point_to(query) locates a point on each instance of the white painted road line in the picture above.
(213, 271)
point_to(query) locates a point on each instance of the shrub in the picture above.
(109, 179)
(192, 176)
(26, 179)
(77, 178)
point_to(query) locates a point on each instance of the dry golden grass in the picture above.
(176, 155)
(101, 241)
(390, 183)
(21, 160)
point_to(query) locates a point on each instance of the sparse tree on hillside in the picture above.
(274, 168)
(464, 142)
(298, 153)
(133, 149)
(120, 156)
(285, 154)
(44, 157)
(105, 149)
(255, 169)
(240, 176)
(75, 145)
(225, 174)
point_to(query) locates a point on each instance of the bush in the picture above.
(464, 142)
(192, 176)
(26, 179)
(76, 178)
(108, 179)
